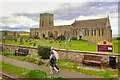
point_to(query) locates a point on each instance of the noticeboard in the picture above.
(105, 47)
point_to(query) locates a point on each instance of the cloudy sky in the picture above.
(25, 15)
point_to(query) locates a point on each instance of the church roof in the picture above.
(90, 23)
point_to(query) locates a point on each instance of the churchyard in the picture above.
(63, 63)
(74, 45)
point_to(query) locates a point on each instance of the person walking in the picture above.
(52, 63)
(56, 55)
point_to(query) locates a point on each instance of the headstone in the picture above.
(89, 44)
(34, 44)
(51, 41)
(16, 40)
(26, 40)
(69, 44)
(60, 44)
(22, 42)
(3, 40)
(64, 46)
(29, 40)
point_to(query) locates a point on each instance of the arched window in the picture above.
(88, 32)
(65, 33)
(73, 32)
(42, 23)
(48, 33)
(94, 32)
(102, 32)
(56, 33)
(99, 32)
(85, 32)
(76, 32)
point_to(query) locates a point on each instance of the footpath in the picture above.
(46, 44)
(62, 73)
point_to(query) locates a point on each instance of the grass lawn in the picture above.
(28, 58)
(67, 64)
(24, 42)
(23, 72)
(75, 45)
(79, 45)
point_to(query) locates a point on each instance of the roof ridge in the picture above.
(91, 19)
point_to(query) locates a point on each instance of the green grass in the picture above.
(75, 45)
(79, 45)
(23, 72)
(67, 64)
(24, 42)
(64, 64)
(28, 58)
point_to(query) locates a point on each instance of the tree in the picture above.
(14, 33)
(51, 35)
(5, 34)
(62, 37)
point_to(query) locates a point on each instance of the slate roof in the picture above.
(90, 23)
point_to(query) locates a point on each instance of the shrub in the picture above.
(118, 38)
(29, 58)
(51, 35)
(40, 62)
(44, 52)
(46, 37)
(62, 37)
(74, 38)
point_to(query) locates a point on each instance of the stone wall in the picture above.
(12, 48)
(77, 56)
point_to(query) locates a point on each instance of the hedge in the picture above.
(44, 52)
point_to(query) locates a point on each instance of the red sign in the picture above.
(105, 48)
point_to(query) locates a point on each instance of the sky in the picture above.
(23, 15)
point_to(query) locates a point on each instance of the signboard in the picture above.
(105, 47)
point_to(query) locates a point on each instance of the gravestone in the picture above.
(26, 40)
(89, 44)
(51, 41)
(15, 39)
(64, 46)
(34, 44)
(29, 40)
(69, 44)
(21, 40)
(3, 40)
(60, 44)
(38, 45)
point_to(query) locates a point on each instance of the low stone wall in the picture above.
(12, 48)
(77, 56)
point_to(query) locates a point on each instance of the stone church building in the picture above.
(93, 30)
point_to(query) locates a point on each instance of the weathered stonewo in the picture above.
(76, 56)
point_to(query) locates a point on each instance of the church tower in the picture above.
(46, 20)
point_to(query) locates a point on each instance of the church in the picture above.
(94, 30)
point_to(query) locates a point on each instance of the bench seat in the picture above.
(93, 59)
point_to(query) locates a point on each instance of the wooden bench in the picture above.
(93, 59)
(21, 52)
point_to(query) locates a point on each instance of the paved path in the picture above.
(62, 73)
(46, 44)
